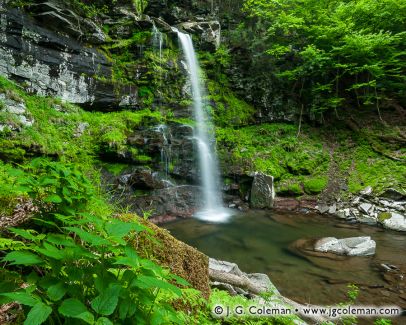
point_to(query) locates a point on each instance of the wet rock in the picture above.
(354, 246)
(366, 191)
(367, 219)
(208, 31)
(262, 191)
(366, 207)
(343, 214)
(144, 178)
(332, 209)
(395, 221)
(179, 201)
(393, 194)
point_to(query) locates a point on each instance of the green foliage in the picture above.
(82, 267)
(315, 185)
(383, 321)
(140, 6)
(289, 188)
(353, 292)
(61, 185)
(273, 149)
(10, 188)
(328, 54)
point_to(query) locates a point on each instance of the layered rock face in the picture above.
(63, 65)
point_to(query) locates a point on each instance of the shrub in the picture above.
(82, 268)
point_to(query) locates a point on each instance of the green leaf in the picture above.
(117, 228)
(24, 233)
(54, 198)
(92, 239)
(45, 181)
(76, 309)
(26, 258)
(62, 240)
(21, 297)
(50, 251)
(179, 280)
(38, 314)
(106, 302)
(57, 291)
(149, 282)
(104, 321)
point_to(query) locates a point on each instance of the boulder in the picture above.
(262, 191)
(394, 221)
(354, 246)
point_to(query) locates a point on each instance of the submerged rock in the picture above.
(262, 191)
(354, 246)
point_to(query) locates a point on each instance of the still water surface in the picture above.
(263, 241)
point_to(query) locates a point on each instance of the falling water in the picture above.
(165, 149)
(212, 209)
(157, 41)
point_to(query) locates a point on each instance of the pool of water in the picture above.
(267, 242)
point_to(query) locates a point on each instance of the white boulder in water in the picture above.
(396, 221)
(354, 246)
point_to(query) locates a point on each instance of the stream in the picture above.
(267, 242)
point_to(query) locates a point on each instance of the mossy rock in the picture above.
(182, 259)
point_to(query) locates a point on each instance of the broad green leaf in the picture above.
(92, 239)
(179, 280)
(50, 251)
(62, 240)
(25, 233)
(117, 228)
(25, 258)
(22, 298)
(54, 198)
(106, 302)
(150, 282)
(124, 307)
(38, 314)
(76, 309)
(57, 291)
(45, 181)
(104, 321)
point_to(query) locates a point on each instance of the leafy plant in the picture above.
(83, 268)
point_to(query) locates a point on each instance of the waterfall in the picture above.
(157, 41)
(212, 209)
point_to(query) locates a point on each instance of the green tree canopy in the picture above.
(335, 53)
